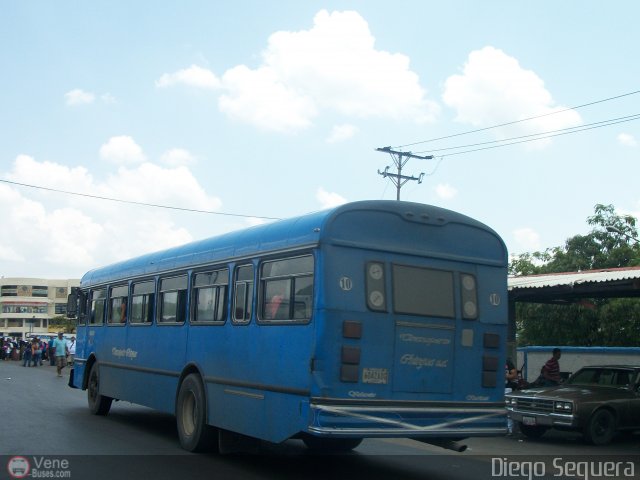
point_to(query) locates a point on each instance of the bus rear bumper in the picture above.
(457, 420)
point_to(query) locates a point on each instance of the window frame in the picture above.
(160, 299)
(84, 308)
(112, 296)
(247, 305)
(152, 302)
(451, 274)
(92, 310)
(292, 278)
(221, 295)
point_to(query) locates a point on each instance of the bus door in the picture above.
(111, 350)
(425, 329)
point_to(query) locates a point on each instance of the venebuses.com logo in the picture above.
(38, 467)
(18, 467)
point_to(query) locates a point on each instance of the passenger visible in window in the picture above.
(123, 311)
(277, 308)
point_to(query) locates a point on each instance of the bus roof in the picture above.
(354, 223)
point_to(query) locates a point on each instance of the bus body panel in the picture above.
(408, 373)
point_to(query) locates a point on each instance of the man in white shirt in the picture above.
(71, 345)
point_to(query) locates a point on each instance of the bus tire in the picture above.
(98, 404)
(191, 417)
(328, 445)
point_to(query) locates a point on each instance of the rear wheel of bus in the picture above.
(191, 417)
(320, 444)
(98, 404)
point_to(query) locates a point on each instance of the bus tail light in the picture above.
(376, 292)
(469, 297)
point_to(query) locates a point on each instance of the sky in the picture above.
(238, 113)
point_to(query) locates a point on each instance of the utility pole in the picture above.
(400, 159)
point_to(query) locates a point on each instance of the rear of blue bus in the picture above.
(411, 327)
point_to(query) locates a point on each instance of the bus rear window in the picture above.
(423, 291)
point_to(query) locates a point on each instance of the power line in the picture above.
(539, 138)
(519, 121)
(578, 128)
(168, 207)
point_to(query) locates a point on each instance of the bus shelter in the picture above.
(569, 287)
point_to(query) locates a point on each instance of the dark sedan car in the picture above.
(596, 400)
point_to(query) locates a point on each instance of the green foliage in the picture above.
(68, 325)
(612, 243)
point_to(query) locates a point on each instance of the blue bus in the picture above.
(373, 319)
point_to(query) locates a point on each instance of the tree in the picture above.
(68, 325)
(612, 243)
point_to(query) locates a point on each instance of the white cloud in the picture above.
(176, 157)
(329, 199)
(446, 191)
(46, 232)
(340, 133)
(122, 150)
(258, 97)
(108, 98)
(79, 97)
(332, 67)
(494, 89)
(627, 140)
(527, 239)
(194, 76)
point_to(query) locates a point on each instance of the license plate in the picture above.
(529, 421)
(375, 375)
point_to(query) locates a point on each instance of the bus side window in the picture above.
(243, 294)
(173, 300)
(118, 305)
(287, 289)
(142, 301)
(210, 296)
(98, 303)
(83, 300)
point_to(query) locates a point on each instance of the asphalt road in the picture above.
(43, 420)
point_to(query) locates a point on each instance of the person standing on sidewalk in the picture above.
(72, 350)
(62, 351)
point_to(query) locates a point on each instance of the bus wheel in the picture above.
(191, 416)
(319, 444)
(98, 404)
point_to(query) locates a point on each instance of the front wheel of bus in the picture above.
(98, 404)
(329, 445)
(191, 416)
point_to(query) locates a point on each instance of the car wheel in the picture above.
(98, 404)
(532, 431)
(191, 417)
(601, 427)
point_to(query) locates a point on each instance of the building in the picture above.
(28, 304)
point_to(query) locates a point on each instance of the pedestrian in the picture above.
(52, 352)
(72, 350)
(550, 372)
(36, 358)
(26, 355)
(510, 384)
(60, 346)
